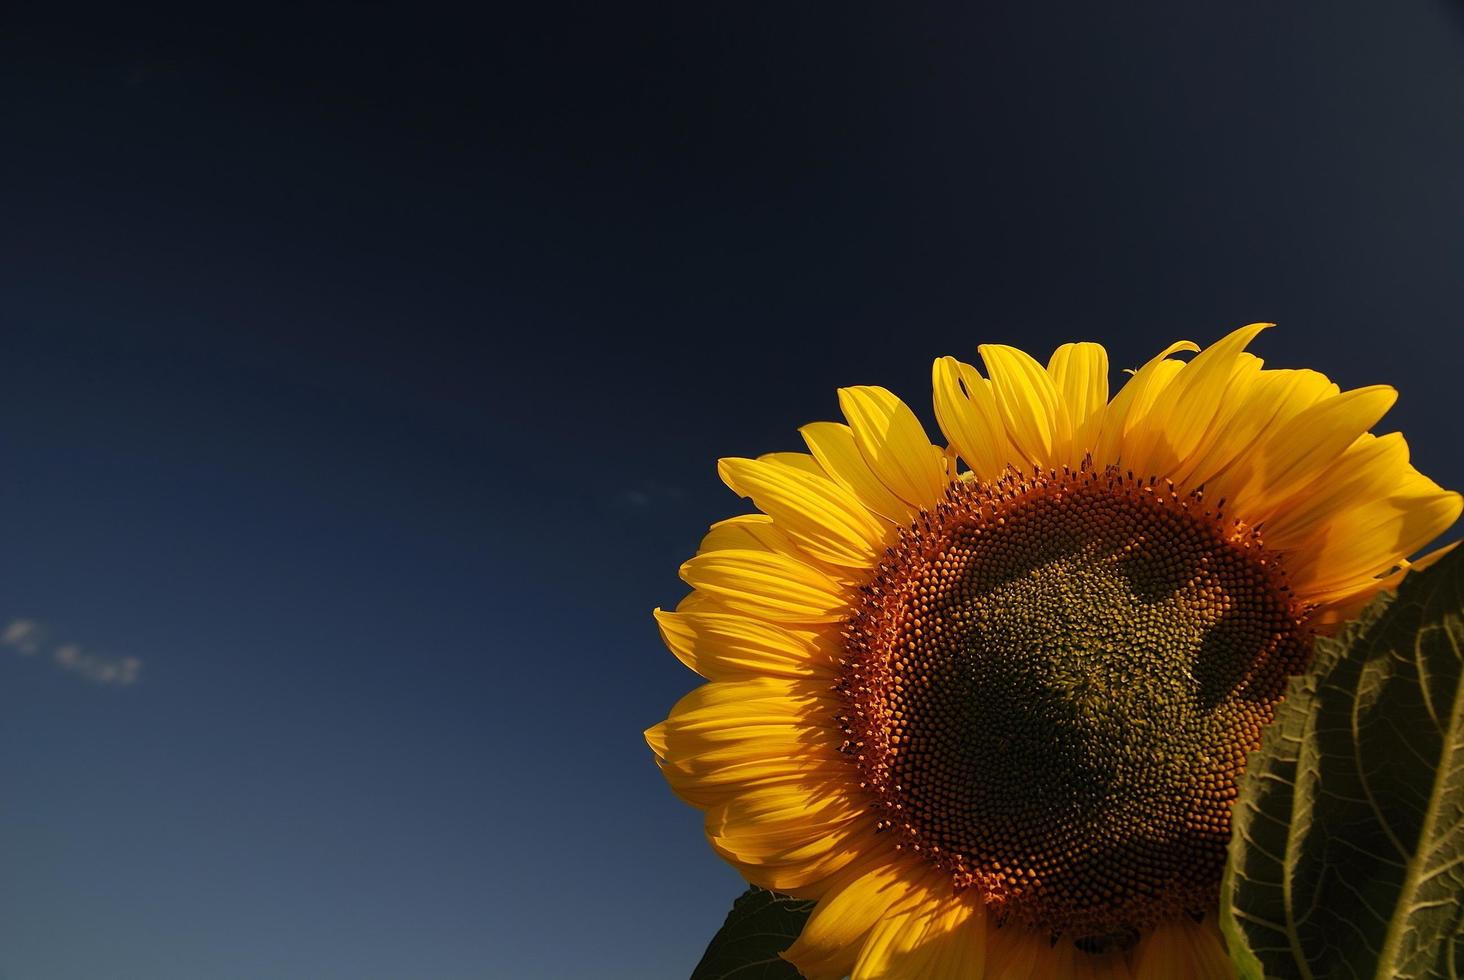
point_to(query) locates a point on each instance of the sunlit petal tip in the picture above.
(1235, 342)
(821, 518)
(1178, 347)
(1029, 404)
(1135, 399)
(1162, 439)
(1430, 559)
(834, 446)
(676, 638)
(725, 470)
(1287, 460)
(965, 410)
(893, 443)
(655, 737)
(1080, 372)
(761, 583)
(724, 645)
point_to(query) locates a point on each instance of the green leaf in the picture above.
(760, 926)
(1347, 856)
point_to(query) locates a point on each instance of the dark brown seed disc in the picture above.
(1051, 687)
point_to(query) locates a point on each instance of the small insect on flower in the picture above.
(989, 703)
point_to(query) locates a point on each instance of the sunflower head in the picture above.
(989, 702)
(1024, 683)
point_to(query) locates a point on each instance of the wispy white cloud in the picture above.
(29, 638)
(646, 494)
(25, 636)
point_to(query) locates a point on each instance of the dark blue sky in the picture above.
(364, 374)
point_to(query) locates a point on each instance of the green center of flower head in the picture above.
(1051, 687)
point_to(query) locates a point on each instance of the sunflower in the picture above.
(988, 703)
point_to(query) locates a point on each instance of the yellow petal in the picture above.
(695, 601)
(893, 443)
(707, 774)
(800, 461)
(1419, 564)
(1366, 541)
(1370, 468)
(1296, 453)
(822, 518)
(746, 532)
(1183, 948)
(829, 944)
(784, 837)
(757, 701)
(767, 585)
(1168, 434)
(1029, 405)
(1344, 606)
(965, 409)
(727, 646)
(929, 932)
(656, 738)
(759, 532)
(1245, 373)
(730, 736)
(766, 823)
(1264, 402)
(833, 445)
(1080, 373)
(1134, 399)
